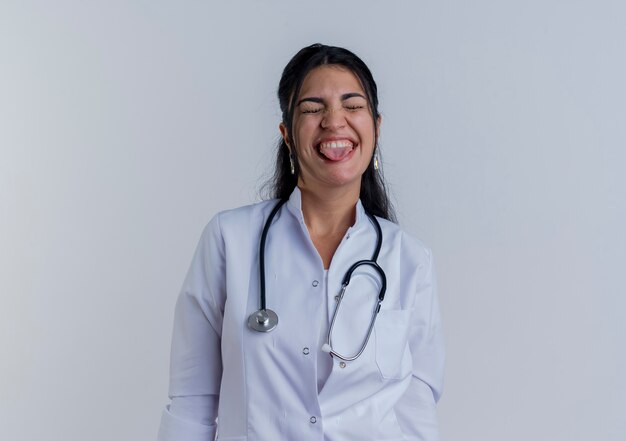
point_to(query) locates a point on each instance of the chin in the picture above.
(343, 180)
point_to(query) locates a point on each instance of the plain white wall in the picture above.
(125, 125)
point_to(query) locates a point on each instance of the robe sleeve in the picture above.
(196, 362)
(417, 411)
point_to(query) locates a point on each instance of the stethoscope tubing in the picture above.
(266, 228)
(265, 320)
(328, 347)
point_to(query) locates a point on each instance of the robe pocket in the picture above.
(392, 352)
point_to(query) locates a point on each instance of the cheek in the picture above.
(365, 125)
(368, 138)
(303, 133)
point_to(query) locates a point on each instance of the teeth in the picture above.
(335, 144)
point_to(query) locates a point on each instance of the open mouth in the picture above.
(335, 150)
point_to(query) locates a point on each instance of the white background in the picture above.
(125, 125)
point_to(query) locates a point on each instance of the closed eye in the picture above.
(312, 111)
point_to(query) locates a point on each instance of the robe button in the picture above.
(315, 283)
(313, 420)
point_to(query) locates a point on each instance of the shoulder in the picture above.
(246, 213)
(239, 220)
(414, 253)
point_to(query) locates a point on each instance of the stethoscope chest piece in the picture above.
(263, 320)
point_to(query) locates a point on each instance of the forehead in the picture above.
(330, 80)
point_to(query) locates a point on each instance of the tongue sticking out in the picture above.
(335, 153)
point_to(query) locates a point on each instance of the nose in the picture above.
(334, 118)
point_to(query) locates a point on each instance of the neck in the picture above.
(331, 212)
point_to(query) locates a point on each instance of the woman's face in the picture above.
(333, 130)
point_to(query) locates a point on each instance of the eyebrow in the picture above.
(345, 96)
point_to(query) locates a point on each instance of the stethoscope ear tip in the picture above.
(326, 348)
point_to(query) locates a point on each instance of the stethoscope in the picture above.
(265, 320)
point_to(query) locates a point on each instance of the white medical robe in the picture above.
(268, 384)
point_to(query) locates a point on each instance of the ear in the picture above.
(379, 120)
(284, 134)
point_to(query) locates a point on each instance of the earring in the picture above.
(376, 162)
(292, 164)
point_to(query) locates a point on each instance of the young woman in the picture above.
(311, 316)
